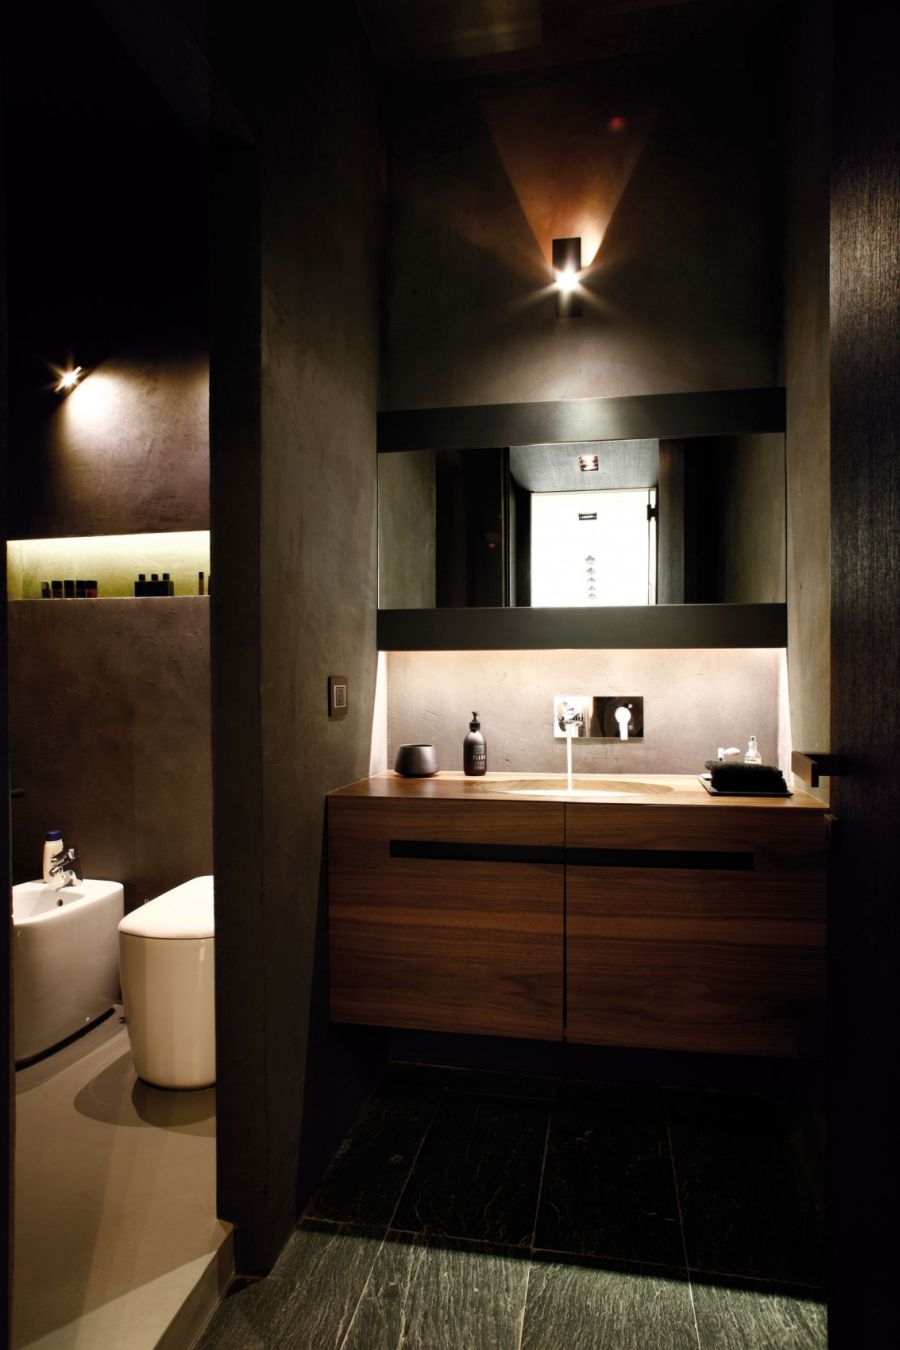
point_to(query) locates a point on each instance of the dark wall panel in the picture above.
(7, 1095)
(110, 737)
(298, 502)
(865, 654)
(107, 236)
(127, 451)
(663, 168)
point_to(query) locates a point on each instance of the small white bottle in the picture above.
(753, 756)
(53, 845)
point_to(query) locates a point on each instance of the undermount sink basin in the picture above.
(583, 788)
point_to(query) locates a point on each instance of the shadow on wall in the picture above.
(343, 1062)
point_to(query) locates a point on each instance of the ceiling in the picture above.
(556, 468)
(455, 38)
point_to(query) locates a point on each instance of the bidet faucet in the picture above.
(65, 869)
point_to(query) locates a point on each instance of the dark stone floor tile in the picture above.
(244, 1318)
(478, 1173)
(608, 1189)
(737, 1319)
(614, 1095)
(436, 1294)
(402, 1080)
(307, 1303)
(496, 1083)
(746, 1202)
(585, 1308)
(367, 1174)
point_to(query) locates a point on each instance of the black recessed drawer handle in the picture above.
(452, 852)
(694, 859)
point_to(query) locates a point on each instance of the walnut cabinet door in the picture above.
(447, 916)
(696, 930)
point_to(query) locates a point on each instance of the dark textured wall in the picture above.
(736, 518)
(294, 368)
(107, 230)
(126, 452)
(108, 238)
(7, 1095)
(753, 522)
(110, 737)
(679, 206)
(865, 668)
(406, 530)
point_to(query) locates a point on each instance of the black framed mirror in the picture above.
(654, 521)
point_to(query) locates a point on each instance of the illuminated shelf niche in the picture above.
(113, 560)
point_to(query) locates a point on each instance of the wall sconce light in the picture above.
(68, 379)
(566, 267)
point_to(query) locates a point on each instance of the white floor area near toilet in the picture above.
(117, 1246)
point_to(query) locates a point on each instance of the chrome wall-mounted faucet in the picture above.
(569, 717)
(599, 717)
(65, 869)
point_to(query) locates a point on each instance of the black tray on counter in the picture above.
(706, 781)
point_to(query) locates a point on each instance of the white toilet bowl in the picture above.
(167, 967)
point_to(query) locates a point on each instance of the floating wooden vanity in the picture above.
(650, 915)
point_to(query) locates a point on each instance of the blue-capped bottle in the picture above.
(53, 847)
(474, 750)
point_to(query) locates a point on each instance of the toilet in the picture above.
(167, 970)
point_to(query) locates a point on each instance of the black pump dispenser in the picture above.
(474, 750)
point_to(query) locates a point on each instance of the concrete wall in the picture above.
(807, 373)
(673, 204)
(294, 370)
(110, 737)
(694, 701)
(406, 530)
(738, 518)
(753, 523)
(126, 451)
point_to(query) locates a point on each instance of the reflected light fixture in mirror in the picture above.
(566, 268)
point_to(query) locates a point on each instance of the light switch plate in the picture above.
(338, 696)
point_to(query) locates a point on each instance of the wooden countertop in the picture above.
(659, 789)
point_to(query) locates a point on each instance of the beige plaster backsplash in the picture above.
(694, 701)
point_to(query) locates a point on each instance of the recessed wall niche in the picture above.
(114, 561)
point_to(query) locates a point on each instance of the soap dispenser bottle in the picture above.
(474, 750)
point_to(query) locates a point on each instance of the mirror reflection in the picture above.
(639, 522)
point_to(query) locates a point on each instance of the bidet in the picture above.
(65, 959)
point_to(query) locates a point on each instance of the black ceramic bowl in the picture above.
(416, 761)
